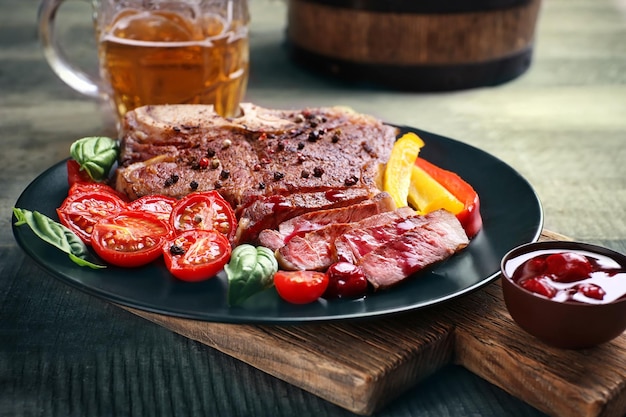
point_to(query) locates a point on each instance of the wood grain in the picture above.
(411, 38)
(363, 365)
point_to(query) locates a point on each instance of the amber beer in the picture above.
(162, 57)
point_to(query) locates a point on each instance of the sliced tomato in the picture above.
(159, 205)
(130, 238)
(300, 287)
(196, 255)
(205, 210)
(79, 187)
(81, 211)
(75, 174)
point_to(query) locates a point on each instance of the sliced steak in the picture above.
(308, 222)
(316, 250)
(176, 149)
(354, 244)
(269, 212)
(435, 240)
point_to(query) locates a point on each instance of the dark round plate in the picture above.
(511, 214)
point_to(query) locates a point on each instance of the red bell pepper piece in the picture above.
(469, 217)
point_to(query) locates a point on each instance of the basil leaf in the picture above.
(250, 270)
(57, 235)
(96, 155)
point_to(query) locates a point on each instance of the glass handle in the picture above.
(70, 74)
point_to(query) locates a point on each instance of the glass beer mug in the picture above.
(160, 52)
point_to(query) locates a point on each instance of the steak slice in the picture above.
(308, 222)
(435, 240)
(176, 149)
(269, 212)
(354, 244)
(316, 250)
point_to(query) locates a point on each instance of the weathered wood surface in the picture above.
(362, 365)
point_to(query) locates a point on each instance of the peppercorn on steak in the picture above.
(271, 166)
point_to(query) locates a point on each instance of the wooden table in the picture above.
(562, 125)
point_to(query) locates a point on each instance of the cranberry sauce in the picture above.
(569, 275)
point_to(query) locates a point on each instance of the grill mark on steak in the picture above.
(266, 152)
(308, 222)
(269, 212)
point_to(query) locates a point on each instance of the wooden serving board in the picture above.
(362, 365)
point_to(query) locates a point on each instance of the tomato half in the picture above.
(205, 210)
(300, 287)
(159, 205)
(196, 255)
(81, 211)
(80, 187)
(130, 238)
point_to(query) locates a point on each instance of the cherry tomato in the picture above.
(79, 187)
(159, 205)
(568, 266)
(345, 280)
(196, 255)
(81, 211)
(204, 211)
(130, 238)
(75, 174)
(300, 287)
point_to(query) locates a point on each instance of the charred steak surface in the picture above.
(177, 149)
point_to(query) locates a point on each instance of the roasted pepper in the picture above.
(469, 216)
(250, 270)
(426, 194)
(397, 177)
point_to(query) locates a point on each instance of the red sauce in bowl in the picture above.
(569, 275)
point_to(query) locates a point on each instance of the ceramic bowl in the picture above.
(569, 322)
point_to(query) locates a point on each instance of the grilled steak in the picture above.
(175, 149)
(437, 239)
(314, 220)
(316, 250)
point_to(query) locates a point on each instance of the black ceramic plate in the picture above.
(511, 214)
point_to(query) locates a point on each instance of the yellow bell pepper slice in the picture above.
(426, 194)
(397, 177)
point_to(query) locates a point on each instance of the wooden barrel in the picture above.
(419, 45)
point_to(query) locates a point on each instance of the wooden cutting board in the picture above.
(362, 365)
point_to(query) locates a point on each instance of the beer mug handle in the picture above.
(70, 74)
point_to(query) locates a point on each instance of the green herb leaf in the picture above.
(96, 155)
(57, 235)
(250, 270)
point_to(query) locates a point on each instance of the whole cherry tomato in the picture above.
(159, 205)
(204, 211)
(129, 238)
(300, 287)
(196, 255)
(346, 280)
(82, 210)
